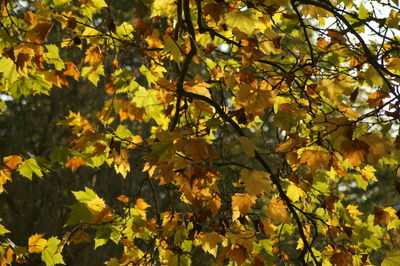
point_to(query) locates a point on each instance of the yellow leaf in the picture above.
(198, 86)
(96, 205)
(256, 182)
(332, 88)
(241, 204)
(277, 210)
(141, 207)
(294, 192)
(36, 243)
(255, 100)
(352, 209)
(209, 242)
(12, 161)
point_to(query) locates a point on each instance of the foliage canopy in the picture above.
(179, 132)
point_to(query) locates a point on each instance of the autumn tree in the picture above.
(179, 132)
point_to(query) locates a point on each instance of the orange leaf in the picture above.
(123, 198)
(376, 99)
(39, 32)
(5, 175)
(315, 159)
(277, 210)
(74, 163)
(71, 70)
(355, 151)
(12, 161)
(241, 204)
(94, 55)
(214, 204)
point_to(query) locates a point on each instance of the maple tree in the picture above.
(200, 132)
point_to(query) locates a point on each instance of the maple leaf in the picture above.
(376, 99)
(332, 88)
(315, 159)
(36, 243)
(39, 33)
(214, 204)
(5, 175)
(277, 210)
(355, 150)
(198, 86)
(214, 10)
(238, 254)
(29, 167)
(74, 163)
(71, 70)
(209, 242)
(123, 198)
(294, 141)
(141, 207)
(342, 258)
(255, 100)
(241, 204)
(256, 182)
(378, 146)
(94, 55)
(294, 192)
(12, 161)
(50, 254)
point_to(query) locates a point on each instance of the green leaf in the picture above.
(3, 230)
(9, 69)
(85, 196)
(123, 132)
(53, 57)
(103, 235)
(392, 259)
(99, 3)
(362, 12)
(29, 167)
(145, 98)
(79, 214)
(50, 256)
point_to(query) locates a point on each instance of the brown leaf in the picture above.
(215, 11)
(238, 255)
(381, 216)
(342, 259)
(336, 37)
(355, 151)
